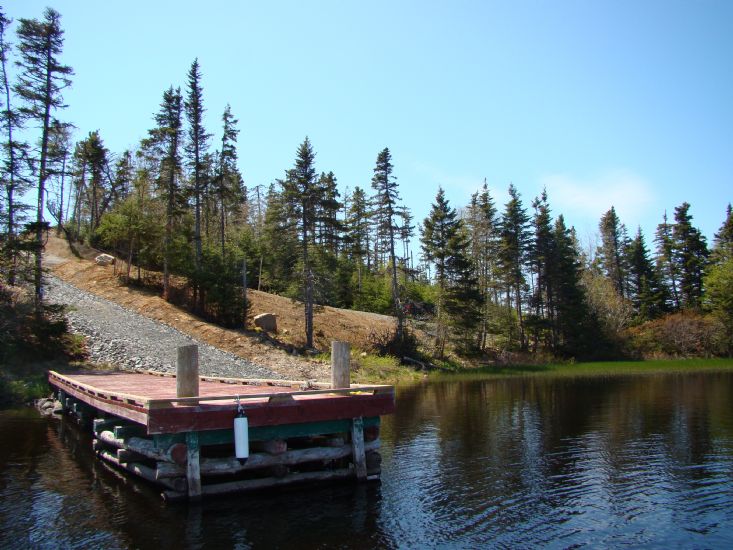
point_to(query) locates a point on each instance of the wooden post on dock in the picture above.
(340, 368)
(187, 371)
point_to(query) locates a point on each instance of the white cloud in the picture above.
(587, 199)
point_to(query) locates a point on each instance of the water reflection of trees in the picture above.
(509, 450)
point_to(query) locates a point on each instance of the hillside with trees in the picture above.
(478, 282)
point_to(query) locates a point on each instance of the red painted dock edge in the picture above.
(144, 399)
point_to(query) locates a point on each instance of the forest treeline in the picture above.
(479, 279)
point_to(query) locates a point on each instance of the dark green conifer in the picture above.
(15, 174)
(513, 246)
(196, 151)
(386, 197)
(41, 80)
(482, 225)
(300, 192)
(691, 253)
(647, 294)
(165, 139)
(723, 242)
(611, 251)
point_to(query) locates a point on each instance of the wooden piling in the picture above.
(340, 364)
(187, 371)
(357, 446)
(193, 469)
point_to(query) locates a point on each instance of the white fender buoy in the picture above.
(241, 435)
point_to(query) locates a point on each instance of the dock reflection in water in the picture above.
(539, 461)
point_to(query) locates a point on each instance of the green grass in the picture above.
(604, 368)
(374, 369)
(20, 390)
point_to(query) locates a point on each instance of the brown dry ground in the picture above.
(275, 351)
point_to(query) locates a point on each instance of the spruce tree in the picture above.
(541, 258)
(513, 245)
(667, 264)
(228, 181)
(611, 252)
(723, 241)
(15, 174)
(358, 220)
(165, 140)
(438, 230)
(95, 159)
(574, 330)
(406, 232)
(41, 80)
(691, 255)
(59, 150)
(328, 226)
(196, 151)
(386, 197)
(300, 190)
(279, 242)
(463, 301)
(482, 225)
(645, 290)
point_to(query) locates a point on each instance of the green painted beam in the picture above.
(264, 433)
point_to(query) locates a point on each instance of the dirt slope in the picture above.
(330, 323)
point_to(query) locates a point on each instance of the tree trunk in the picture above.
(38, 275)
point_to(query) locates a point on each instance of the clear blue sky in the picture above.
(623, 103)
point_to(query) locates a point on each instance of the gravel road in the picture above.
(127, 340)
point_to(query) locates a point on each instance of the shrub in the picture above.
(385, 342)
(684, 334)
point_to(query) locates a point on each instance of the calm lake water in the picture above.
(555, 462)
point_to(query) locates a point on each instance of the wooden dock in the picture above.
(298, 431)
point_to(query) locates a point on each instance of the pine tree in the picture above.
(611, 252)
(93, 156)
(358, 217)
(691, 255)
(513, 255)
(483, 230)
(463, 301)
(165, 139)
(541, 258)
(228, 181)
(406, 232)
(123, 176)
(279, 244)
(667, 264)
(196, 150)
(386, 197)
(438, 230)
(573, 328)
(41, 80)
(59, 150)
(300, 190)
(645, 291)
(15, 175)
(723, 242)
(328, 226)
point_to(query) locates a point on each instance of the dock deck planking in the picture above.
(151, 401)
